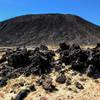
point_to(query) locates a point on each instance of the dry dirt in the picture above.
(91, 89)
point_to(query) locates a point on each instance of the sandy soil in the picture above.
(91, 89)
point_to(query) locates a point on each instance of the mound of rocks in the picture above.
(41, 61)
(23, 61)
(82, 60)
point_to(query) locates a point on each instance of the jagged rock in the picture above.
(3, 82)
(41, 80)
(41, 61)
(73, 54)
(47, 85)
(68, 81)
(58, 68)
(64, 56)
(5, 70)
(28, 62)
(74, 73)
(57, 65)
(90, 59)
(79, 85)
(61, 79)
(22, 94)
(32, 88)
(3, 58)
(18, 58)
(90, 70)
(78, 66)
(8, 52)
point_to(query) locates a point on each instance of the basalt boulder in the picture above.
(90, 71)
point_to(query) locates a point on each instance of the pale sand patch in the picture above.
(91, 89)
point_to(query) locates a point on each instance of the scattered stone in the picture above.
(81, 74)
(23, 61)
(21, 84)
(41, 61)
(68, 82)
(96, 81)
(78, 66)
(32, 88)
(3, 58)
(22, 94)
(79, 59)
(18, 58)
(96, 76)
(83, 79)
(61, 79)
(74, 73)
(90, 70)
(79, 85)
(58, 68)
(57, 65)
(47, 85)
(3, 82)
(70, 89)
(41, 80)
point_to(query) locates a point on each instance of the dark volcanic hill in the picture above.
(48, 29)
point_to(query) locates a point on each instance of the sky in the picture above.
(87, 9)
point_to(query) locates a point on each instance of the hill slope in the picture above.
(48, 28)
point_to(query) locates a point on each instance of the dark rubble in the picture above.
(47, 83)
(22, 94)
(81, 60)
(61, 78)
(27, 62)
(41, 61)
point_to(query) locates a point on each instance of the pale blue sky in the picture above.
(88, 9)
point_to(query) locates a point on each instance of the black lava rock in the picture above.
(32, 88)
(79, 85)
(90, 70)
(68, 81)
(3, 82)
(47, 85)
(3, 58)
(78, 66)
(61, 79)
(22, 94)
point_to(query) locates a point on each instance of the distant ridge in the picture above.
(48, 29)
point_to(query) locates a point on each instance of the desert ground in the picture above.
(91, 86)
